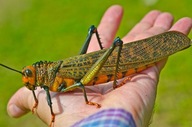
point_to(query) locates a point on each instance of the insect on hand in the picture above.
(118, 61)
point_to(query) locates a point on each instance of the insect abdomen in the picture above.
(107, 78)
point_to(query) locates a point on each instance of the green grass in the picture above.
(45, 30)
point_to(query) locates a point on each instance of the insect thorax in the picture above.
(46, 72)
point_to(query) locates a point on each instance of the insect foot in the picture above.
(93, 103)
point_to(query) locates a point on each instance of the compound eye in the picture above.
(28, 73)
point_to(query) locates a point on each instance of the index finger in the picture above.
(107, 28)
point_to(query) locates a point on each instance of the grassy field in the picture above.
(45, 30)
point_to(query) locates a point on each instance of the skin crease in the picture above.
(136, 96)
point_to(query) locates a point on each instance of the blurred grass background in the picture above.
(33, 30)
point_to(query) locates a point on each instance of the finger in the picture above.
(18, 104)
(161, 22)
(145, 24)
(184, 25)
(107, 27)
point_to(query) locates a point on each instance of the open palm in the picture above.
(137, 96)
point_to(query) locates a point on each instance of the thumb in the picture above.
(19, 104)
(23, 101)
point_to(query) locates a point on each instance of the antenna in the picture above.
(11, 68)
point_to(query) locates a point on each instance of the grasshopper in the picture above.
(116, 62)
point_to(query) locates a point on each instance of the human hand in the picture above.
(136, 96)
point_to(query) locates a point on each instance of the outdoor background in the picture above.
(33, 30)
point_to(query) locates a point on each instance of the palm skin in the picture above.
(137, 96)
